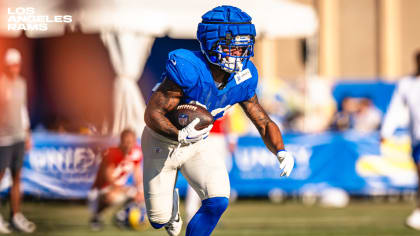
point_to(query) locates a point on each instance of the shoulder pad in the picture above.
(182, 68)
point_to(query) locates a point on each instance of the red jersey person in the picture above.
(110, 188)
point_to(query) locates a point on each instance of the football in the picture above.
(131, 216)
(183, 114)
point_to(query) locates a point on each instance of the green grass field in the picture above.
(245, 217)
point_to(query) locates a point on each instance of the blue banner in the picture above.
(351, 161)
(354, 162)
(64, 166)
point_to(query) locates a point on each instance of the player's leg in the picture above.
(159, 177)
(174, 225)
(100, 200)
(218, 145)
(208, 176)
(19, 221)
(15, 192)
(413, 220)
(192, 203)
(95, 207)
(5, 158)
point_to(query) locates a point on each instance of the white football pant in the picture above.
(218, 145)
(204, 171)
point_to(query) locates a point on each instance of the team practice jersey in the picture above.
(124, 166)
(189, 70)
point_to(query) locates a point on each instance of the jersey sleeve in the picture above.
(253, 82)
(181, 71)
(24, 109)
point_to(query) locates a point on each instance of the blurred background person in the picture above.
(15, 137)
(407, 94)
(358, 114)
(110, 187)
(368, 117)
(344, 119)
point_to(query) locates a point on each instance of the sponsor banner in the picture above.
(354, 162)
(64, 166)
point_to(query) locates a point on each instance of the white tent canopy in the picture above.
(128, 28)
(128, 59)
(178, 19)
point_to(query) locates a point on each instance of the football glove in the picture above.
(286, 162)
(190, 135)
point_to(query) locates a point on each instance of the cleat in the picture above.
(96, 224)
(22, 224)
(4, 226)
(413, 220)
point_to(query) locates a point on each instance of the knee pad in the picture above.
(215, 205)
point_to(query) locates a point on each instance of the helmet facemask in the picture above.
(232, 54)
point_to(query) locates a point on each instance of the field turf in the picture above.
(244, 217)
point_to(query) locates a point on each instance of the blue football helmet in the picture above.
(227, 37)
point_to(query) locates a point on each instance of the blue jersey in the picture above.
(190, 71)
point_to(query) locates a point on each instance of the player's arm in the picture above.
(270, 133)
(162, 101)
(106, 169)
(138, 181)
(26, 122)
(109, 168)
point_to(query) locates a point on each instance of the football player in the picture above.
(217, 77)
(407, 94)
(110, 188)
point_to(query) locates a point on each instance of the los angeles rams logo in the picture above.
(183, 119)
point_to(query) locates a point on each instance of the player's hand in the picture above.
(286, 162)
(190, 135)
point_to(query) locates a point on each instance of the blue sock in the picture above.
(206, 218)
